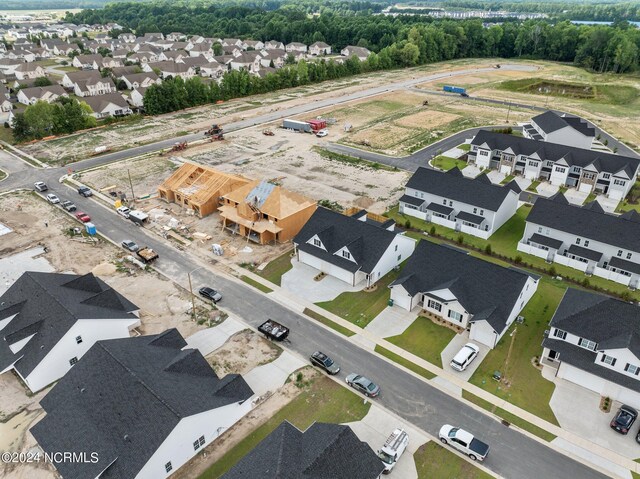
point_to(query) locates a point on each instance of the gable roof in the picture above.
(50, 304)
(124, 397)
(550, 121)
(548, 151)
(43, 91)
(366, 241)
(99, 102)
(327, 451)
(454, 186)
(587, 221)
(485, 290)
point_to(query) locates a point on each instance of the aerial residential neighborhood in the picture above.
(319, 240)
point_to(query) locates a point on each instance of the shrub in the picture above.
(407, 224)
(460, 239)
(518, 259)
(487, 249)
(585, 282)
(552, 271)
(432, 231)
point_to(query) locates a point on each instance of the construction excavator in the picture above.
(214, 133)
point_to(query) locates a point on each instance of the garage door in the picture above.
(585, 188)
(483, 333)
(615, 194)
(401, 297)
(310, 260)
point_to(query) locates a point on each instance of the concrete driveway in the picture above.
(575, 197)
(454, 346)
(299, 280)
(393, 320)
(454, 153)
(546, 189)
(608, 204)
(496, 177)
(272, 375)
(374, 429)
(523, 182)
(471, 171)
(208, 340)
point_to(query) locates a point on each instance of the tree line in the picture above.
(42, 119)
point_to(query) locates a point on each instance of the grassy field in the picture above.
(275, 269)
(322, 401)
(446, 163)
(361, 307)
(425, 339)
(6, 134)
(404, 362)
(434, 461)
(255, 284)
(327, 322)
(526, 387)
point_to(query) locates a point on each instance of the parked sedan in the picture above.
(85, 218)
(362, 384)
(130, 245)
(40, 186)
(325, 362)
(210, 293)
(53, 199)
(624, 419)
(84, 191)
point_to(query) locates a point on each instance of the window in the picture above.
(78, 339)
(450, 203)
(632, 369)
(346, 254)
(534, 164)
(629, 255)
(606, 176)
(560, 170)
(481, 212)
(317, 242)
(444, 202)
(396, 249)
(73, 360)
(455, 315)
(586, 243)
(196, 445)
(434, 305)
(610, 360)
(577, 240)
(620, 252)
(619, 182)
(587, 344)
(168, 467)
(539, 229)
(399, 257)
(201, 439)
(475, 211)
(559, 333)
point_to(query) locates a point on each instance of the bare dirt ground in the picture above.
(241, 353)
(231, 437)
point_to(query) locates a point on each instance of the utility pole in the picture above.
(133, 198)
(193, 298)
(508, 111)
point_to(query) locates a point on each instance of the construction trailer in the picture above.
(317, 125)
(296, 125)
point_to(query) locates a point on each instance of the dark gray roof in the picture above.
(620, 231)
(438, 208)
(608, 162)
(545, 241)
(470, 218)
(323, 451)
(365, 241)
(412, 200)
(454, 186)
(625, 265)
(485, 290)
(124, 397)
(580, 125)
(551, 121)
(585, 252)
(50, 304)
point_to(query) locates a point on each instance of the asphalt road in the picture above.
(513, 455)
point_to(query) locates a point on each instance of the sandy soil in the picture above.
(242, 352)
(427, 119)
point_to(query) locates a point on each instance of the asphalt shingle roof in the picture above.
(585, 252)
(50, 304)
(124, 397)
(323, 451)
(365, 241)
(547, 151)
(546, 241)
(485, 290)
(452, 185)
(556, 213)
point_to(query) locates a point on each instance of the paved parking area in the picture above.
(208, 340)
(495, 176)
(299, 280)
(575, 197)
(547, 189)
(374, 429)
(453, 347)
(272, 375)
(392, 321)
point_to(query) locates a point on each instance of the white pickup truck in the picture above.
(393, 448)
(464, 442)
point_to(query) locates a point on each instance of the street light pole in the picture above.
(193, 298)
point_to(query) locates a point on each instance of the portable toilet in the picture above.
(90, 228)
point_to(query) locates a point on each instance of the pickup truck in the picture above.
(68, 205)
(464, 442)
(274, 330)
(147, 255)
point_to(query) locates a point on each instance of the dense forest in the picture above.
(420, 39)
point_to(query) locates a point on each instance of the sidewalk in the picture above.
(573, 441)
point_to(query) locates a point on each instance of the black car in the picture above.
(325, 362)
(84, 191)
(624, 419)
(210, 293)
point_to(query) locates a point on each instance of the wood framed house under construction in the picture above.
(199, 188)
(265, 213)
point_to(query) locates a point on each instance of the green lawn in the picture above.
(68, 68)
(6, 134)
(323, 401)
(434, 461)
(255, 284)
(404, 362)
(276, 268)
(446, 163)
(361, 307)
(507, 179)
(589, 198)
(425, 339)
(327, 322)
(527, 388)
(631, 202)
(533, 187)
(464, 147)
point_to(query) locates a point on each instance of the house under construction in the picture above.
(265, 213)
(199, 187)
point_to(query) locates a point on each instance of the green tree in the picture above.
(42, 81)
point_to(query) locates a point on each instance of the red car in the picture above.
(85, 218)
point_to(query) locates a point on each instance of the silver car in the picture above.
(53, 199)
(362, 384)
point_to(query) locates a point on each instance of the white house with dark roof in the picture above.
(585, 238)
(473, 206)
(48, 321)
(588, 171)
(88, 62)
(562, 129)
(469, 292)
(112, 104)
(354, 249)
(137, 80)
(321, 451)
(594, 341)
(28, 96)
(143, 406)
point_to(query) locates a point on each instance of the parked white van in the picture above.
(464, 357)
(393, 448)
